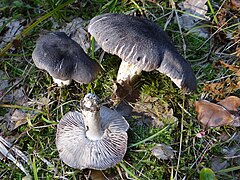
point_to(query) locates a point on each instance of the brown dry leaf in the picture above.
(231, 103)
(232, 67)
(238, 73)
(235, 5)
(231, 86)
(213, 115)
(18, 118)
(221, 89)
(214, 88)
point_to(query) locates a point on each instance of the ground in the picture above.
(31, 105)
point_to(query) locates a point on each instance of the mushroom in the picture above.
(64, 59)
(94, 138)
(142, 45)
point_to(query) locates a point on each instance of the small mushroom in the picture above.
(142, 45)
(94, 138)
(64, 59)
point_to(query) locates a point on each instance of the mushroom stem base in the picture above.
(128, 75)
(60, 82)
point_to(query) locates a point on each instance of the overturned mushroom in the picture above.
(142, 45)
(94, 138)
(64, 59)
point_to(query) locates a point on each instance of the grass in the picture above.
(37, 138)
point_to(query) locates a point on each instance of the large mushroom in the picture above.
(142, 45)
(64, 59)
(94, 138)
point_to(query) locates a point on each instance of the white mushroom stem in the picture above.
(92, 124)
(127, 72)
(61, 82)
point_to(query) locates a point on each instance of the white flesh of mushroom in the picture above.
(127, 72)
(60, 82)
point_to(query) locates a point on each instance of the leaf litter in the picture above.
(12, 96)
(76, 30)
(229, 155)
(10, 152)
(194, 12)
(149, 111)
(163, 152)
(11, 28)
(225, 85)
(225, 112)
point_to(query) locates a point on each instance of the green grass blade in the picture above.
(229, 169)
(212, 11)
(48, 121)
(21, 107)
(149, 138)
(128, 171)
(34, 169)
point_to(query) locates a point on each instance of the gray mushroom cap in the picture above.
(63, 58)
(78, 151)
(144, 44)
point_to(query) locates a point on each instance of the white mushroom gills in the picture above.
(127, 72)
(100, 148)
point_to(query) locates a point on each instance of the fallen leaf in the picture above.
(214, 88)
(18, 118)
(76, 30)
(224, 86)
(213, 115)
(231, 103)
(162, 151)
(207, 174)
(198, 10)
(10, 152)
(218, 163)
(12, 28)
(221, 89)
(235, 5)
(232, 67)
(224, 136)
(38, 103)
